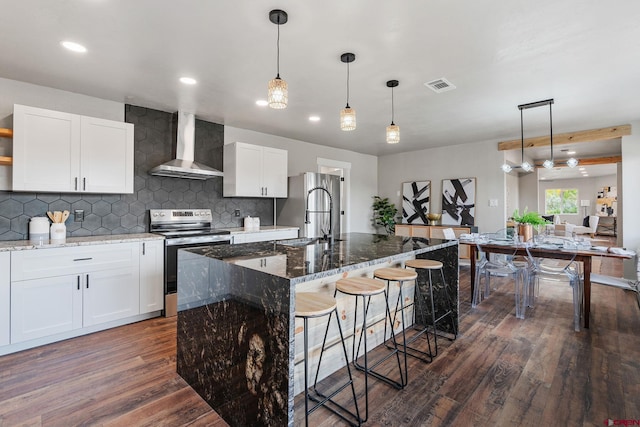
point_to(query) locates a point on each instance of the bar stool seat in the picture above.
(395, 274)
(367, 288)
(427, 264)
(433, 265)
(311, 305)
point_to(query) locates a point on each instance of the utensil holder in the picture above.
(58, 232)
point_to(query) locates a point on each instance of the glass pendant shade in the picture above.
(278, 94)
(347, 118)
(572, 163)
(506, 168)
(548, 164)
(393, 134)
(526, 166)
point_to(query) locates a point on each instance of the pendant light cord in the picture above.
(521, 138)
(392, 109)
(551, 131)
(278, 52)
(347, 85)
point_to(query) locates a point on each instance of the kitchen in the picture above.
(128, 213)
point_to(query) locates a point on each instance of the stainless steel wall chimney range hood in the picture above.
(183, 165)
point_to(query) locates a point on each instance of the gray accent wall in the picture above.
(129, 213)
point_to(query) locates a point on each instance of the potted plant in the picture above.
(526, 222)
(384, 214)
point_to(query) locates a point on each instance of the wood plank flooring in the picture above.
(500, 371)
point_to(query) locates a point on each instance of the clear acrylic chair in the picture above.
(620, 282)
(540, 268)
(499, 265)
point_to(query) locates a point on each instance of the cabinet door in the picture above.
(110, 295)
(106, 156)
(274, 172)
(151, 276)
(5, 298)
(248, 170)
(42, 307)
(46, 150)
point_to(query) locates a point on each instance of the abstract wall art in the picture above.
(459, 201)
(416, 196)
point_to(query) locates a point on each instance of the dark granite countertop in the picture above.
(300, 260)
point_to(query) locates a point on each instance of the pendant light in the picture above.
(347, 114)
(393, 130)
(278, 92)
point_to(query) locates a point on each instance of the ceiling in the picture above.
(582, 53)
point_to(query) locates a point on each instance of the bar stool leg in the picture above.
(350, 382)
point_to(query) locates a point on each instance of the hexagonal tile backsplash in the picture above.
(129, 213)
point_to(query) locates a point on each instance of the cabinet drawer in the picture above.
(265, 236)
(38, 263)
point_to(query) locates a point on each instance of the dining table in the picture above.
(583, 255)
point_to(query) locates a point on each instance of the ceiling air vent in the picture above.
(440, 85)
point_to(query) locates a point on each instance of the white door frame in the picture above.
(346, 190)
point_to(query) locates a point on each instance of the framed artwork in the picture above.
(459, 201)
(416, 196)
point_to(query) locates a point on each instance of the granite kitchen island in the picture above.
(236, 324)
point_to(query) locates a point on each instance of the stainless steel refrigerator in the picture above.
(314, 201)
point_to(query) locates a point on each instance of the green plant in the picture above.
(384, 213)
(532, 218)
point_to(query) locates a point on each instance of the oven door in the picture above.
(171, 264)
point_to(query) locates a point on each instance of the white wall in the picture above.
(528, 193)
(480, 160)
(15, 92)
(303, 158)
(630, 192)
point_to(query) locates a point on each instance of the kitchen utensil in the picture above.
(65, 216)
(50, 215)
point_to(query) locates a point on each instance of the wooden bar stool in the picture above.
(366, 288)
(400, 275)
(431, 265)
(310, 305)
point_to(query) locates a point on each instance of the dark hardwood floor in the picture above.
(500, 371)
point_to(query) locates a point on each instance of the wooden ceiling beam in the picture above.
(589, 161)
(612, 132)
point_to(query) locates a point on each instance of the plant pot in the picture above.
(526, 231)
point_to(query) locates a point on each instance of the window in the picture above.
(560, 201)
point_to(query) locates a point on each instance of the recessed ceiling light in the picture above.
(262, 102)
(571, 153)
(585, 175)
(581, 168)
(314, 118)
(188, 80)
(74, 47)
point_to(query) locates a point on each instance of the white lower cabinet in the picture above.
(47, 306)
(59, 290)
(151, 276)
(110, 295)
(5, 297)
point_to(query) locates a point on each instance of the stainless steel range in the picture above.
(182, 228)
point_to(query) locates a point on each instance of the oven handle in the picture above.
(220, 240)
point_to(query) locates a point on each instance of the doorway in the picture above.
(343, 170)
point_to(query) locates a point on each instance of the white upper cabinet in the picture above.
(62, 152)
(254, 171)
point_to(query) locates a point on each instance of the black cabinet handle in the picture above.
(75, 187)
(83, 259)
(87, 281)
(78, 282)
(84, 184)
(144, 248)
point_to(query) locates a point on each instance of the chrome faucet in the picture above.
(307, 212)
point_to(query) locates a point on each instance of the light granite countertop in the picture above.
(263, 228)
(19, 245)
